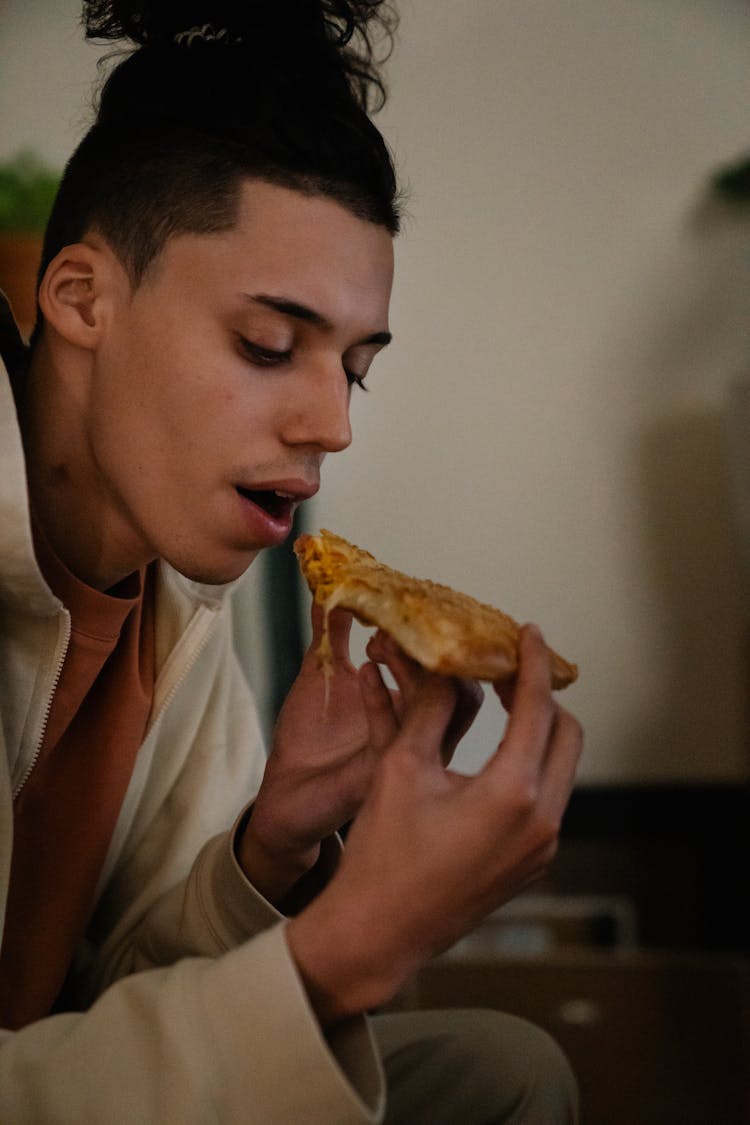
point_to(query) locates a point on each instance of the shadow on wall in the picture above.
(687, 351)
(690, 531)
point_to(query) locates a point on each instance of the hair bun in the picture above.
(169, 21)
(353, 30)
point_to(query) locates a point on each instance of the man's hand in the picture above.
(432, 852)
(326, 748)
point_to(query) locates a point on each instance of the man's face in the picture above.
(224, 379)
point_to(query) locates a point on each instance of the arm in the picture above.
(231, 1039)
(402, 892)
(220, 1025)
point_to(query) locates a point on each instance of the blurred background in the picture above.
(560, 428)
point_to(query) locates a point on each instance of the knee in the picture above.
(477, 1066)
(518, 1068)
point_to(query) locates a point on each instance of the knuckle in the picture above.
(524, 799)
(546, 834)
(570, 726)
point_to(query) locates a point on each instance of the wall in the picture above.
(46, 76)
(547, 431)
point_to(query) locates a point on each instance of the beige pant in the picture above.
(477, 1067)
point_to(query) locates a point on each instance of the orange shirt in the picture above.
(65, 814)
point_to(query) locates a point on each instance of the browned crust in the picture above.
(446, 631)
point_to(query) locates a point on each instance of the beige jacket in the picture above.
(191, 1008)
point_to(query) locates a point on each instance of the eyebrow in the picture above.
(309, 316)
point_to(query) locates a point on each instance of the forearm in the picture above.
(212, 910)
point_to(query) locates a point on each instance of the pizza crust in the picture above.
(444, 630)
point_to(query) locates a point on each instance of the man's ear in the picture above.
(75, 293)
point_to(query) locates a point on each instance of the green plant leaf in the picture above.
(27, 191)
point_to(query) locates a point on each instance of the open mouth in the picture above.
(275, 504)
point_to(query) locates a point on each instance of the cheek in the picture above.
(137, 422)
(173, 401)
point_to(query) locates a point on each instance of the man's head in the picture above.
(216, 278)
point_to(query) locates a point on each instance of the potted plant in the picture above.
(27, 189)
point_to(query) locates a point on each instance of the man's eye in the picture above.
(263, 357)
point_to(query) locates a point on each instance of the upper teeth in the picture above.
(284, 495)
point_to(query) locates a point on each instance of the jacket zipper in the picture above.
(61, 652)
(188, 663)
(163, 704)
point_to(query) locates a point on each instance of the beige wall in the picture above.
(548, 429)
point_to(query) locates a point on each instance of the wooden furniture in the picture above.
(654, 1038)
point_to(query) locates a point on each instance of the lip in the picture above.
(298, 490)
(270, 529)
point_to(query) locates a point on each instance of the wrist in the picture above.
(342, 965)
(273, 870)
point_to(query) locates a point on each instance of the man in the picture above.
(185, 940)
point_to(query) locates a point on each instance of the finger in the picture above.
(506, 690)
(378, 703)
(426, 719)
(469, 698)
(339, 629)
(533, 709)
(377, 646)
(558, 775)
(407, 673)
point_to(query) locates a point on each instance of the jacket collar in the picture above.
(21, 582)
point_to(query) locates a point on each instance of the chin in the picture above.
(216, 574)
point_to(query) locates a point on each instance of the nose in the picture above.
(319, 413)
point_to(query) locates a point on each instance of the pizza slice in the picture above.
(442, 629)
